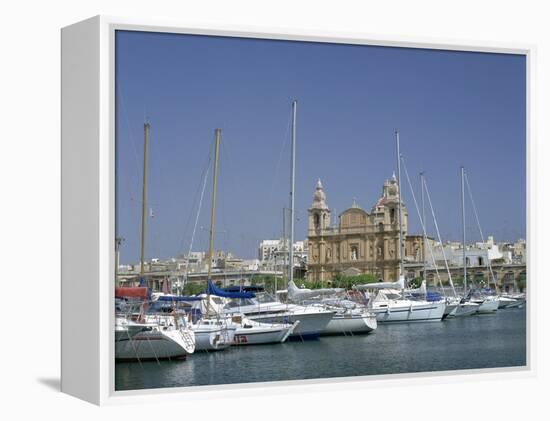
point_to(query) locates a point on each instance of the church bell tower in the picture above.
(319, 213)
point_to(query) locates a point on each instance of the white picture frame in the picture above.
(88, 53)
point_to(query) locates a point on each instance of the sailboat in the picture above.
(218, 329)
(153, 337)
(267, 309)
(248, 331)
(350, 317)
(451, 303)
(486, 303)
(141, 336)
(323, 314)
(390, 304)
(212, 330)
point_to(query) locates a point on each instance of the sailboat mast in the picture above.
(425, 237)
(214, 185)
(463, 230)
(284, 249)
(401, 251)
(144, 197)
(292, 185)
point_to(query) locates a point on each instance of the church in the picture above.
(359, 242)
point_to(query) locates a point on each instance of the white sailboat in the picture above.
(266, 309)
(505, 302)
(488, 303)
(451, 303)
(350, 317)
(126, 329)
(251, 332)
(213, 334)
(312, 319)
(513, 300)
(160, 337)
(213, 331)
(143, 336)
(244, 331)
(350, 321)
(390, 304)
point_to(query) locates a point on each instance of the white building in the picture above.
(274, 253)
(478, 254)
(518, 251)
(268, 249)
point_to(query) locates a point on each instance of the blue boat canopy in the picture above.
(214, 290)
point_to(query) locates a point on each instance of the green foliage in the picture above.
(342, 281)
(416, 282)
(302, 283)
(269, 282)
(192, 288)
(522, 283)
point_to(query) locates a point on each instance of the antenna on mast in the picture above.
(292, 186)
(401, 248)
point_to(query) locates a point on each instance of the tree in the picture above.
(347, 282)
(415, 282)
(193, 288)
(522, 281)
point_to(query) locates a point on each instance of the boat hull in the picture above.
(450, 310)
(155, 345)
(518, 302)
(258, 336)
(466, 309)
(310, 324)
(126, 332)
(410, 311)
(488, 306)
(342, 324)
(213, 338)
(504, 302)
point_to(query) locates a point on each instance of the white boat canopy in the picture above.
(400, 284)
(298, 294)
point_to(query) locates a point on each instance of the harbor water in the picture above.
(479, 341)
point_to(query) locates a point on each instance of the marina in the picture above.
(325, 331)
(481, 341)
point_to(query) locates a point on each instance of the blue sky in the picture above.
(451, 108)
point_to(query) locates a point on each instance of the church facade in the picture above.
(359, 241)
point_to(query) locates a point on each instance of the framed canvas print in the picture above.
(253, 208)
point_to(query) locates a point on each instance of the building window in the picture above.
(354, 253)
(316, 220)
(480, 261)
